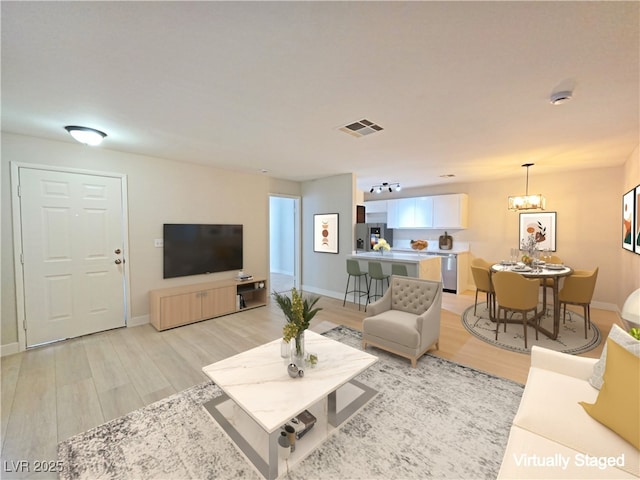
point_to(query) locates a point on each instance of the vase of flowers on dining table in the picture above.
(529, 246)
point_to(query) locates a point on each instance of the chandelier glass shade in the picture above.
(526, 201)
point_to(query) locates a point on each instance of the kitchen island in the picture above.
(419, 265)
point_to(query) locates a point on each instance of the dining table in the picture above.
(542, 271)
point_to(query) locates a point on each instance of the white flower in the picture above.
(382, 244)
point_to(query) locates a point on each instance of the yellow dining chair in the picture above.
(548, 282)
(577, 289)
(516, 294)
(481, 262)
(482, 279)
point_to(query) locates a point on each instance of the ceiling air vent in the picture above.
(361, 128)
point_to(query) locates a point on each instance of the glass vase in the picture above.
(297, 349)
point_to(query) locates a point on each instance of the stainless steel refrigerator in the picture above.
(368, 234)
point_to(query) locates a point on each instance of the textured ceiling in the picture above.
(459, 88)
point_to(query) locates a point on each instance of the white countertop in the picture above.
(405, 255)
(392, 256)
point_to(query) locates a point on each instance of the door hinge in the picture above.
(19, 190)
(24, 324)
(22, 258)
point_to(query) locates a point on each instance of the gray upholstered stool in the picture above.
(353, 270)
(376, 273)
(399, 269)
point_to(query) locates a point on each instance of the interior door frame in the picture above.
(17, 238)
(297, 231)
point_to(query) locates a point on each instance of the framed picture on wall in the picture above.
(636, 219)
(542, 225)
(325, 233)
(628, 219)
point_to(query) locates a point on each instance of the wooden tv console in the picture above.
(175, 306)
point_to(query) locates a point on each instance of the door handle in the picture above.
(118, 261)
(117, 251)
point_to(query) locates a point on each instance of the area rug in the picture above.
(570, 337)
(440, 420)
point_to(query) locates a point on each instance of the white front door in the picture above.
(72, 254)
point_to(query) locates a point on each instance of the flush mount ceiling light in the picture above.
(86, 135)
(558, 98)
(526, 201)
(385, 186)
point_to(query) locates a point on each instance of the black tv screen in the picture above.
(194, 249)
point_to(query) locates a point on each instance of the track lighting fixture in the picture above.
(385, 186)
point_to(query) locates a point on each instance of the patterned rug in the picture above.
(570, 338)
(440, 420)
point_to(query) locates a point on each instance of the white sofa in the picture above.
(553, 437)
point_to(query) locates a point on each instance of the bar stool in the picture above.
(353, 269)
(399, 269)
(375, 273)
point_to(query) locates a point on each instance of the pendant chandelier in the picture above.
(526, 201)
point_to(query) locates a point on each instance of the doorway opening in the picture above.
(284, 243)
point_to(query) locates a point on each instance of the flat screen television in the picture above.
(194, 249)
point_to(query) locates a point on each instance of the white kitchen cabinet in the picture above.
(423, 214)
(376, 206)
(376, 211)
(440, 211)
(450, 211)
(400, 212)
(414, 212)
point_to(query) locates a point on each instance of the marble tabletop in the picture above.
(543, 270)
(258, 382)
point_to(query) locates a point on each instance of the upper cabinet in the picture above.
(441, 211)
(376, 211)
(450, 211)
(416, 212)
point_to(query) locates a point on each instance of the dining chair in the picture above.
(577, 289)
(482, 279)
(516, 294)
(548, 282)
(481, 262)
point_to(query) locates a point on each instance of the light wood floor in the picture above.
(53, 392)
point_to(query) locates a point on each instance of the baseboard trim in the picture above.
(137, 321)
(321, 291)
(9, 349)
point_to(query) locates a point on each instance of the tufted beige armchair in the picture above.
(406, 320)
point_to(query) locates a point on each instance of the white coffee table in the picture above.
(259, 397)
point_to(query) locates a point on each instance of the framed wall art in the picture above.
(629, 219)
(542, 225)
(325, 233)
(636, 243)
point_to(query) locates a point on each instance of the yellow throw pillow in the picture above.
(617, 404)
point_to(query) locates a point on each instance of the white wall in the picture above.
(326, 273)
(159, 191)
